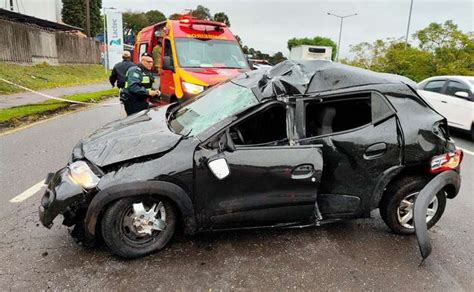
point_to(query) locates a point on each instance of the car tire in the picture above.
(122, 238)
(393, 210)
(78, 235)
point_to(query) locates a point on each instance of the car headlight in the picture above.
(192, 88)
(82, 175)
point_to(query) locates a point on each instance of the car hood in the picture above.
(142, 134)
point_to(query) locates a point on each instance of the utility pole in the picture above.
(11, 5)
(340, 32)
(88, 18)
(408, 26)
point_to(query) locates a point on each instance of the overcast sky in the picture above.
(267, 25)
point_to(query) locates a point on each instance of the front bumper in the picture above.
(61, 196)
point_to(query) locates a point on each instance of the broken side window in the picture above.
(346, 113)
(267, 127)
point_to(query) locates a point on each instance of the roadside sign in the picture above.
(114, 38)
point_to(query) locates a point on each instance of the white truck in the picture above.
(306, 52)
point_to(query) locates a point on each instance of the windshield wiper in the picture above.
(187, 134)
(173, 112)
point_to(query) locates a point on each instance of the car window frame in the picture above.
(234, 120)
(443, 88)
(340, 97)
(140, 51)
(167, 45)
(469, 98)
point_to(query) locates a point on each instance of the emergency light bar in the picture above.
(191, 21)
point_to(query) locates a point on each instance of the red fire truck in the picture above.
(195, 54)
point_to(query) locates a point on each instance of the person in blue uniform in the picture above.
(139, 86)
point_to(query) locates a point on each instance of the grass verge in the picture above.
(44, 76)
(20, 115)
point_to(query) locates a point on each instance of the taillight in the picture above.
(446, 161)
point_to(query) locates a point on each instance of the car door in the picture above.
(267, 182)
(167, 86)
(459, 109)
(361, 141)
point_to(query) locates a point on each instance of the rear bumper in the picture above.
(447, 179)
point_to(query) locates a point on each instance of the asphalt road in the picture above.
(352, 255)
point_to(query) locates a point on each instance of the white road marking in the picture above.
(466, 151)
(28, 193)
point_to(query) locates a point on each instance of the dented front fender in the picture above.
(447, 178)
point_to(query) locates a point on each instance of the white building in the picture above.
(44, 9)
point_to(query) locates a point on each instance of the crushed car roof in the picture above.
(307, 77)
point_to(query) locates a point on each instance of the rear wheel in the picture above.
(397, 205)
(134, 227)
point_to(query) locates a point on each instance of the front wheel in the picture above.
(134, 227)
(397, 205)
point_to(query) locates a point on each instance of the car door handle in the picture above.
(303, 171)
(375, 151)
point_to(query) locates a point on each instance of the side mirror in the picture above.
(462, 94)
(167, 63)
(219, 168)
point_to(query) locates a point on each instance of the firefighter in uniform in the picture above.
(139, 86)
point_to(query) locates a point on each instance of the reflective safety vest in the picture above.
(139, 83)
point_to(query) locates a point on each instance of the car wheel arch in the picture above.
(165, 189)
(392, 176)
(418, 171)
(387, 177)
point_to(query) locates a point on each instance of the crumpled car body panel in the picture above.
(136, 136)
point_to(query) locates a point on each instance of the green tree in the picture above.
(74, 13)
(201, 12)
(315, 41)
(442, 49)
(277, 58)
(174, 16)
(133, 22)
(155, 16)
(452, 50)
(222, 17)
(238, 39)
(438, 35)
(96, 19)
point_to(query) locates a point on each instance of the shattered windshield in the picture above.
(211, 107)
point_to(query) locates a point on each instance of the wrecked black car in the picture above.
(300, 144)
